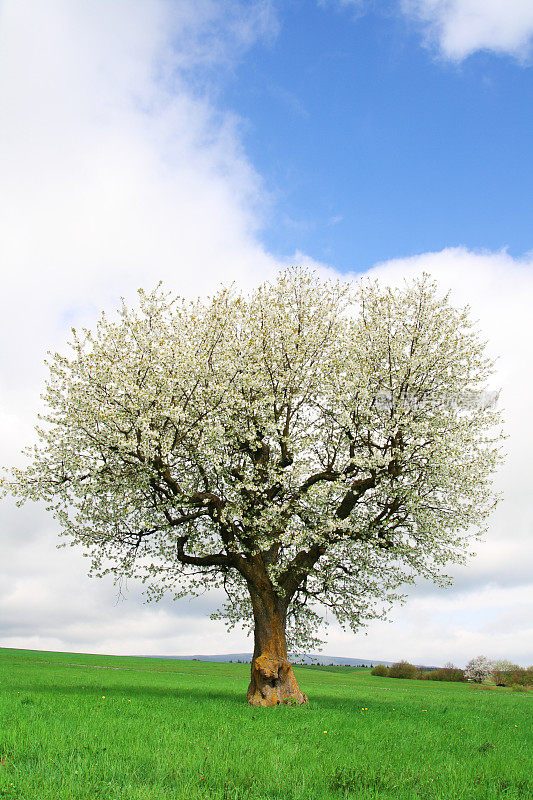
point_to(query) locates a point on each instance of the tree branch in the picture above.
(297, 570)
(325, 475)
(214, 560)
(356, 491)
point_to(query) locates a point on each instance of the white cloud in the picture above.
(462, 27)
(117, 170)
(435, 630)
(115, 173)
(436, 625)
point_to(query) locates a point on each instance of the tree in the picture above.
(449, 672)
(478, 669)
(380, 670)
(403, 669)
(310, 446)
(506, 673)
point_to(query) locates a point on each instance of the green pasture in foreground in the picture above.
(79, 727)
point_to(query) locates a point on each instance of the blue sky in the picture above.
(374, 146)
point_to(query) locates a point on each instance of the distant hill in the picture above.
(296, 658)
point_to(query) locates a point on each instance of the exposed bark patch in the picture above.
(273, 682)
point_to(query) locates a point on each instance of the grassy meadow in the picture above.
(80, 727)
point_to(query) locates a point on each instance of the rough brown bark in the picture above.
(273, 680)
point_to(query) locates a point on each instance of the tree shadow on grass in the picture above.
(201, 692)
(129, 691)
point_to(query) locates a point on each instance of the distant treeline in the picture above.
(500, 673)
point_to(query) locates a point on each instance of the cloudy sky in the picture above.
(200, 141)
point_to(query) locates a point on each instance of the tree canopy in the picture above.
(322, 442)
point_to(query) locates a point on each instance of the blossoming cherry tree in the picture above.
(310, 446)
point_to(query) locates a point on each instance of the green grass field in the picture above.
(79, 727)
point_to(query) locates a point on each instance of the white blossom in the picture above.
(336, 437)
(479, 669)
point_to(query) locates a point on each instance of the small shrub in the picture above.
(403, 669)
(505, 673)
(380, 670)
(448, 672)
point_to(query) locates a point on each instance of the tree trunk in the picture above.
(273, 680)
